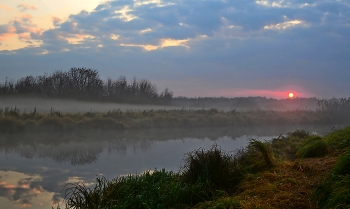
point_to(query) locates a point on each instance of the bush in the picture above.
(214, 166)
(314, 146)
(334, 191)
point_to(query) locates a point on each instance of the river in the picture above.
(34, 168)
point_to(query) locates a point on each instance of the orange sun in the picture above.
(291, 95)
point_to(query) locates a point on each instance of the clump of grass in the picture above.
(313, 146)
(264, 149)
(299, 133)
(285, 147)
(214, 165)
(80, 196)
(334, 191)
(339, 138)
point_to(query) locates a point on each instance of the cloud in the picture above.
(56, 21)
(6, 8)
(23, 7)
(6, 31)
(284, 25)
(266, 42)
(22, 193)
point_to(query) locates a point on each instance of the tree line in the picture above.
(86, 84)
(335, 108)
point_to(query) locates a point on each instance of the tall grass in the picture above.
(339, 138)
(156, 189)
(334, 191)
(265, 149)
(286, 147)
(214, 166)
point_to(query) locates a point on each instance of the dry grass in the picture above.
(287, 185)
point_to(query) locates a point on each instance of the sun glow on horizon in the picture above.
(291, 95)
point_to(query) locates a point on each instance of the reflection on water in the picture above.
(34, 168)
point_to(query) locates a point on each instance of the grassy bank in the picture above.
(14, 121)
(288, 172)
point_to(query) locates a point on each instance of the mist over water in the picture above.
(26, 104)
(72, 106)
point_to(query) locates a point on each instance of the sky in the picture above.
(196, 48)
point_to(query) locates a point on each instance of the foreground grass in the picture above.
(264, 175)
(13, 121)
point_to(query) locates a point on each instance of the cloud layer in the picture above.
(209, 47)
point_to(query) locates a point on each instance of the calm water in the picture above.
(34, 168)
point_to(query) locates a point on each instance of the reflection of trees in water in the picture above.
(76, 153)
(143, 145)
(84, 147)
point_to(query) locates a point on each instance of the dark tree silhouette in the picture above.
(85, 84)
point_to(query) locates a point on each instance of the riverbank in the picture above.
(291, 171)
(12, 120)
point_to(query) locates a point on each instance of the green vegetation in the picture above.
(264, 149)
(14, 121)
(253, 177)
(313, 146)
(339, 138)
(156, 189)
(334, 191)
(214, 166)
